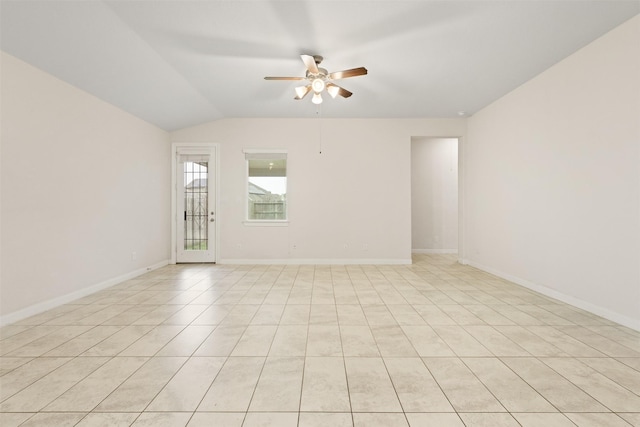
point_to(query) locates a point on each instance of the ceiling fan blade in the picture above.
(354, 72)
(335, 90)
(302, 91)
(310, 63)
(284, 78)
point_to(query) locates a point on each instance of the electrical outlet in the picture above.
(134, 256)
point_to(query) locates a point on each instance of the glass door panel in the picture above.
(196, 206)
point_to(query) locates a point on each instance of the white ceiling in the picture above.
(181, 63)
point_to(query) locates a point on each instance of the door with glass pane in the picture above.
(195, 216)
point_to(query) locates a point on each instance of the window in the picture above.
(266, 186)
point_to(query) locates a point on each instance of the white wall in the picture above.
(350, 204)
(553, 182)
(84, 185)
(434, 195)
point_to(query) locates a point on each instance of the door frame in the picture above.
(215, 149)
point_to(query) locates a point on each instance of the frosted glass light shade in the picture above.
(317, 85)
(333, 90)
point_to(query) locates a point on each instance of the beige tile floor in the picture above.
(431, 344)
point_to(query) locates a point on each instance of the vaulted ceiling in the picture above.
(181, 63)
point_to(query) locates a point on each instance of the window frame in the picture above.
(254, 153)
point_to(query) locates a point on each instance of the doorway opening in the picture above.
(435, 195)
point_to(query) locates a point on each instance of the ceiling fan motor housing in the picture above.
(322, 74)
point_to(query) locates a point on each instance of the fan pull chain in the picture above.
(318, 108)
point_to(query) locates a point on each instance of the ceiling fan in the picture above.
(319, 78)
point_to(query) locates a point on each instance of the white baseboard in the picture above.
(576, 302)
(40, 307)
(434, 251)
(322, 261)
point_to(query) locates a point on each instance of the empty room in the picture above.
(361, 213)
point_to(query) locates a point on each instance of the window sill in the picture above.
(258, 223)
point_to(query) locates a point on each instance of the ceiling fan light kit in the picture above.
(320, 79)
